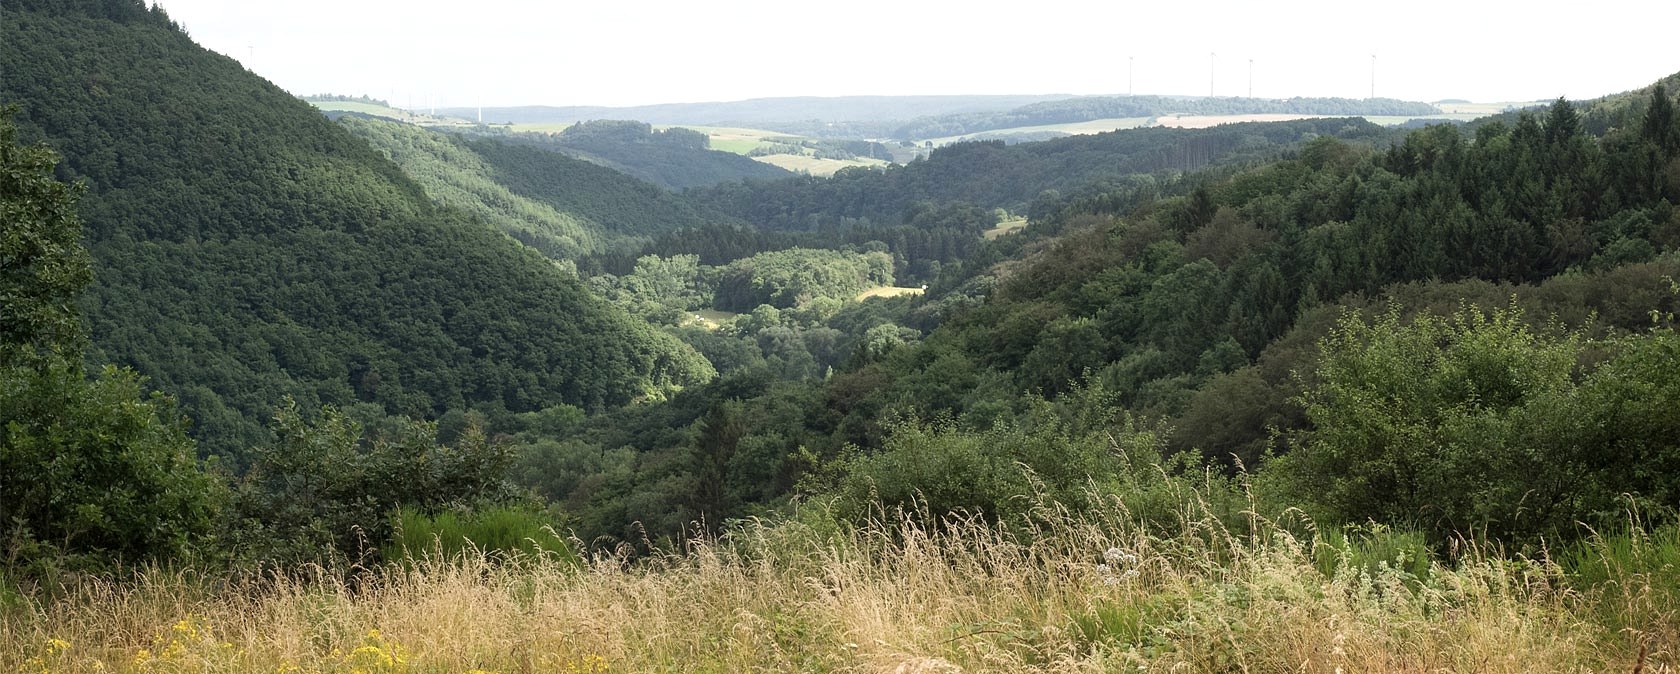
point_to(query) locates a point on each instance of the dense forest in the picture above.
(564, 207)
(246, 249)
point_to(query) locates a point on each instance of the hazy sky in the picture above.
(622, 52)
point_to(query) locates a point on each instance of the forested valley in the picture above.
(288, 392)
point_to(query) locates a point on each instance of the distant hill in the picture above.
(1114, 107)
(561, 206)
(247, 249)
(763, 112)
(991, 174)
(672, 158)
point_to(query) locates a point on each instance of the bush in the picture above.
(1477, 425)
(500, 530)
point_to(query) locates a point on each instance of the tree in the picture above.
(43, 267)
(1659, 125)
(91, 471)
(1479, 424)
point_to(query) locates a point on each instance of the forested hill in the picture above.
(675, 158)
(991, 174)
(247, 249)
(561, 206)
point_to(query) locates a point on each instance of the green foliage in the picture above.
(989, 175)
(675, 159)
(1478, 424)
(323, 490)
(96, 472)
(91, 471)
(1372, 548)
(502, 530)
(1065, 454)
(247, 249)
(43, 268)
(794, 277)
(454, 175)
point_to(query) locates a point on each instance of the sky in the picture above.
(419, 53)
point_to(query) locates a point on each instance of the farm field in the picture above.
(815, 166)
(736, 140)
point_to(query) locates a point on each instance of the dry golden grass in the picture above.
(1086, 593)
(888, 291)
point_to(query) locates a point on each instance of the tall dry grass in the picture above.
(1079, 592)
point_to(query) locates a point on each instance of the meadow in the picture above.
(1093, 591)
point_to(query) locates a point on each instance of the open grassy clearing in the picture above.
(889, 291)
(710, 319)
(739, 140)
(815, 166)
(1089, 592)
(1006, 227)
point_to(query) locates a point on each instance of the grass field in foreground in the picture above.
(1086, 592)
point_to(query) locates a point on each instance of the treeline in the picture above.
(1118, 107)
(992, 175)
(932, 238)
(674, 158)
(343, 98)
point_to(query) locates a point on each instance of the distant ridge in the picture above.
(763, 110)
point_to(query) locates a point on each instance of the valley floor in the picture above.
(1083, 594)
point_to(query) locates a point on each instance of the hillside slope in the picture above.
(671, 158)
(247, 249)
(561, 206)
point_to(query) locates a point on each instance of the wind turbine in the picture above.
(1373, 76)
(1213, 60)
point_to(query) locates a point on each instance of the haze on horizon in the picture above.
(511, 52)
